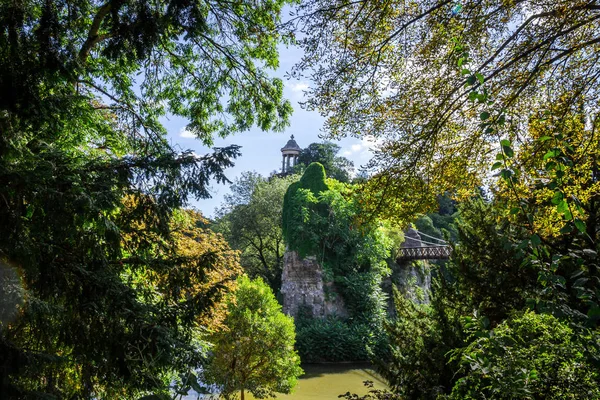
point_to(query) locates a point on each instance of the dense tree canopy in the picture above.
(326, 154)
(250, 219)
(440, 82)
(90, 187)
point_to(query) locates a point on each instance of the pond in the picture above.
(327, 381)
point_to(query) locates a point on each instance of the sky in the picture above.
(261, 151)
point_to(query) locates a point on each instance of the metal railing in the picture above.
(424, 253)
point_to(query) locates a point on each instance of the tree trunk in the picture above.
(242, 394)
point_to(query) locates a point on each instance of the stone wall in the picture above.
(302, 285)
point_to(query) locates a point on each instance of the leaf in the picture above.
(506, 174)
(29, 211)
(505, 142)
(497, 165)
(549, 154)
(580, 225)
(594, 312)
(580, 282)
(508, 151)
(562, 206)
(484, 115)
(480, 78)
(544, 138)
(559, 280)
(557, 198)
(533, 374)
(566, 229)
(590, 253)
(535, 239)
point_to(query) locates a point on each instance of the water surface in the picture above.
(328, 381)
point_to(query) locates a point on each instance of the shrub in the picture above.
(528, 356)
(332, 339)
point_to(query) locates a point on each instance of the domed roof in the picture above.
(291, 145)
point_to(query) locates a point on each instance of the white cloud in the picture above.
(363, 148)
(185, 133)
(298, 87)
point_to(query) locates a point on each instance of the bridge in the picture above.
(416, 249)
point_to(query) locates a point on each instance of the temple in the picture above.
(290, 153)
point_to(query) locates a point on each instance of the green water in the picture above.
(327, 381)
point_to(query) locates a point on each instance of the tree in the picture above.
(84, 86)
(336, 167)
(416, 365)
(528, 356)
(441, 82)
(255, 351)
(250, 220)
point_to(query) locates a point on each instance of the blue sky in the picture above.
(261, 151)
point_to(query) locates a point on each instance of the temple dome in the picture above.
(291, 145)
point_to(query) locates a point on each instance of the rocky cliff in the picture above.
(302, 286)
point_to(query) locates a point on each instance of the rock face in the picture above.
(413, 278)
(302, 286)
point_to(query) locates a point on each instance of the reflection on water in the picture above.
(328, 381)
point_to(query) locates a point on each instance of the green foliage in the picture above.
(322, 218)
(303, 214)
(336, 167)
(528, 356)
(255, 350)
(497, 269)
(416, 364)
(489, 264)
(438, 82)
(363, 296)
(441, 223)
(467, 76)
(314, 178)
(250, 220)
(333, 340)
(85, 86)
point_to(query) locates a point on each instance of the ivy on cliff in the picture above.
(321, 217)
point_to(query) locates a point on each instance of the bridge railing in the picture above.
(424, 253)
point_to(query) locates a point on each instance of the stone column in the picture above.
(288, 163)
(283, 164)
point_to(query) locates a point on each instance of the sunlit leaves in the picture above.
(254, 350)
(440, 87)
